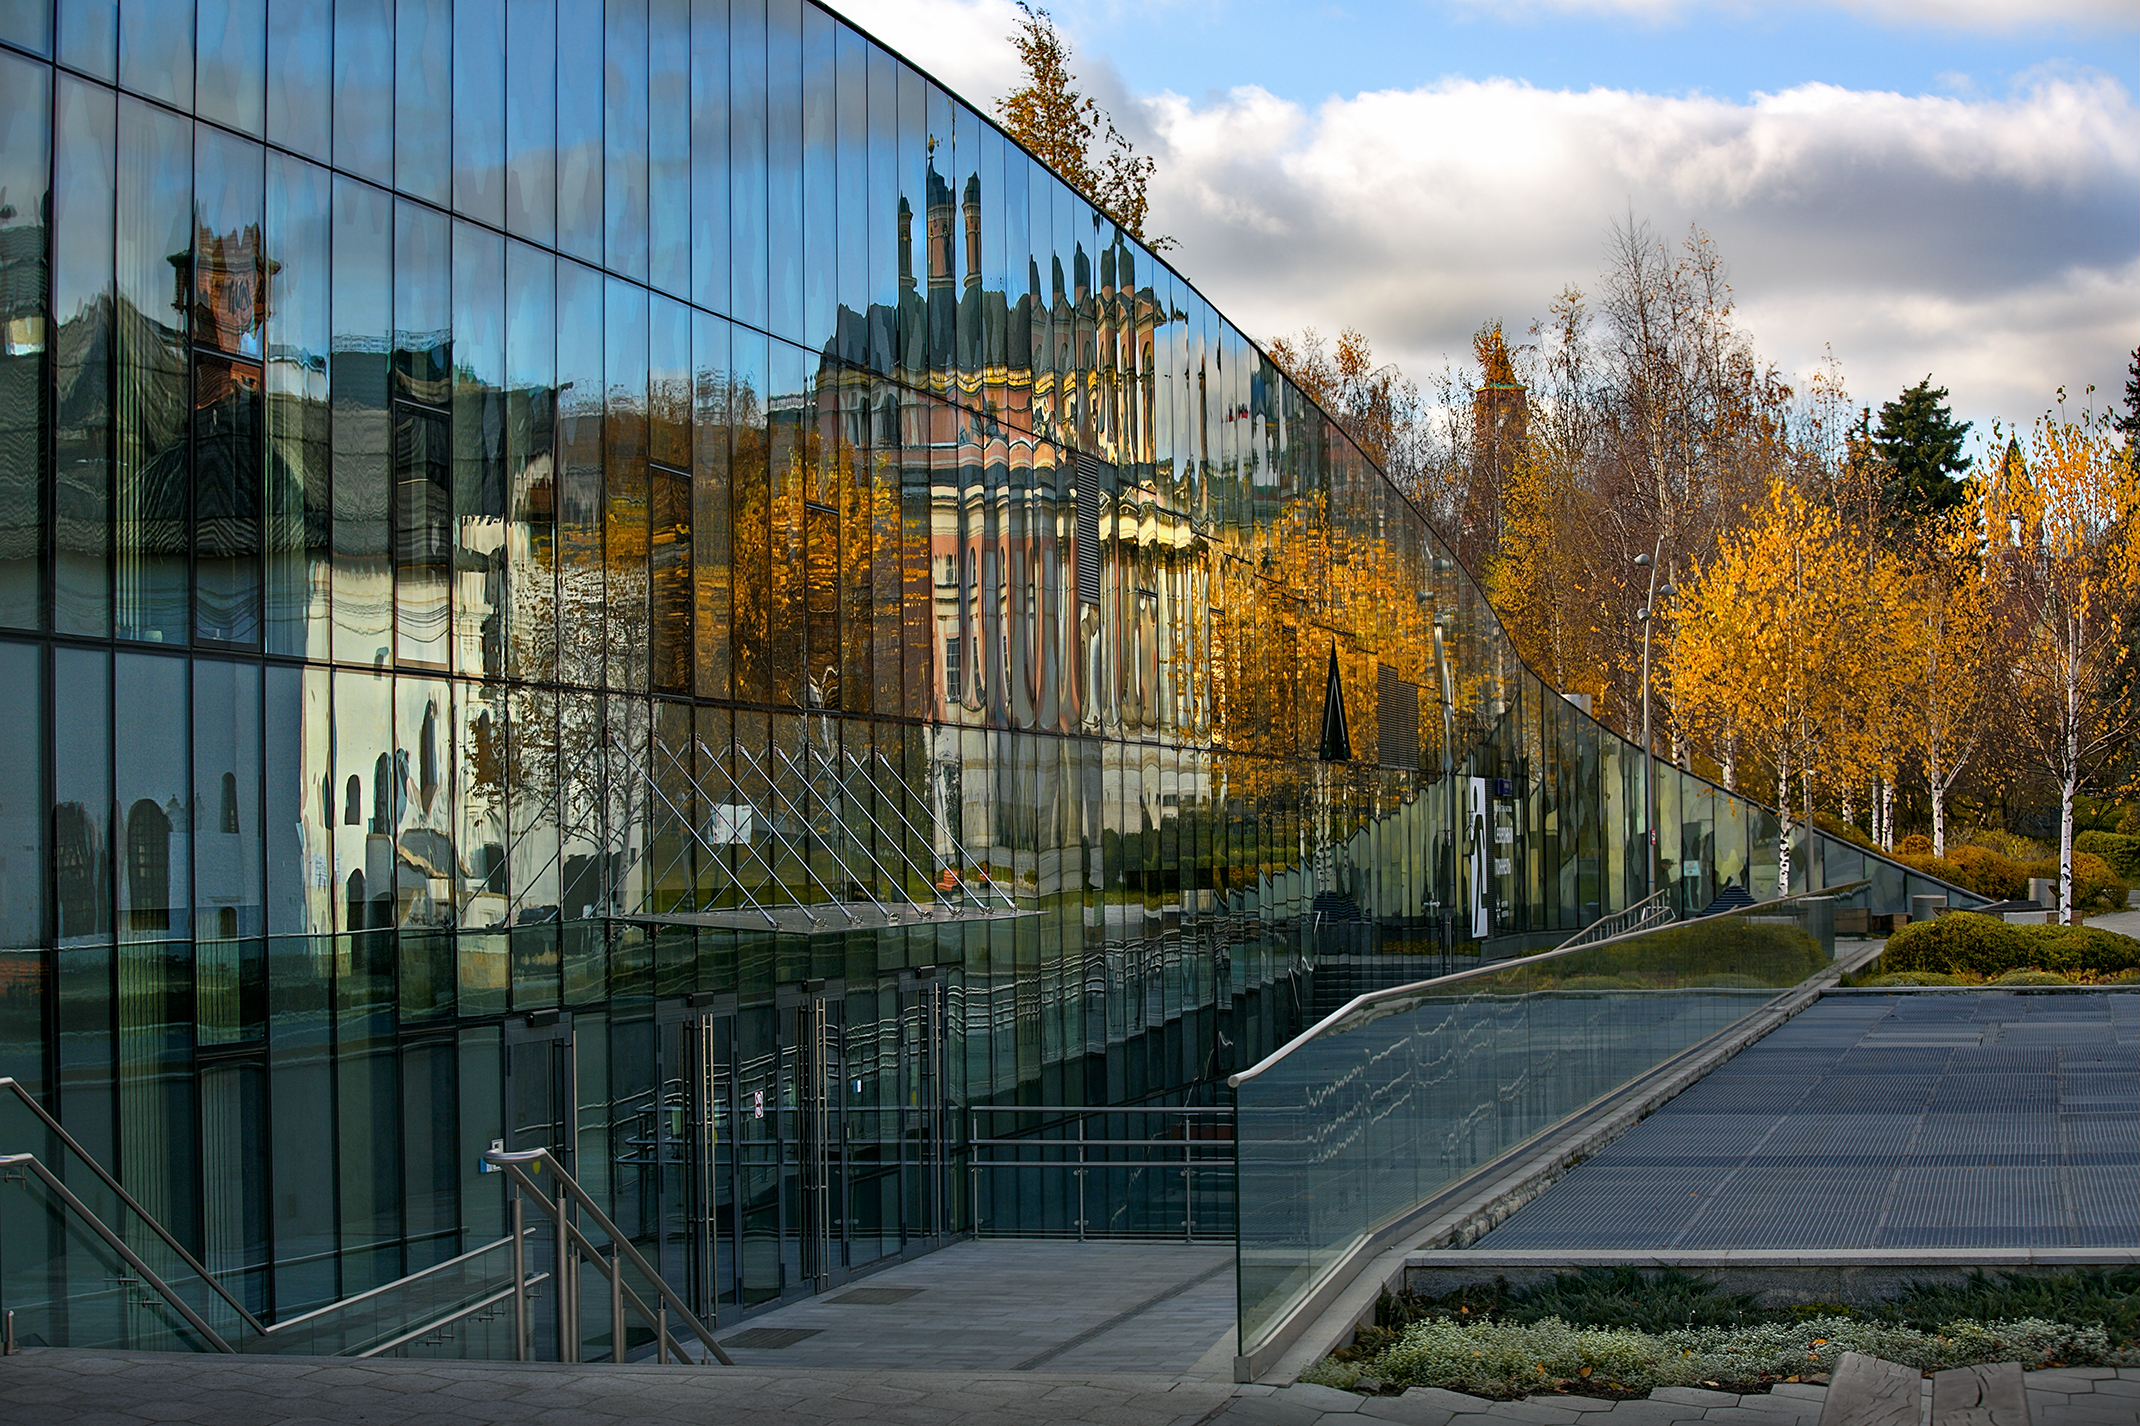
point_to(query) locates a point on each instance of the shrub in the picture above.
(1988, 874)
(1917, 977)
(2005, 843)
(2031, 976)
(1508, 1358)
(2095, 886)
(1917, 844)
(1985, 946)
(2121, 851)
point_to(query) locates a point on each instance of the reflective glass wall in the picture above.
(455, 454)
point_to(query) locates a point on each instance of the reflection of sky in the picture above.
(1917, 185)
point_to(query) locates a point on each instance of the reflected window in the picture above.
(148, 867)
(427, 755)
(230, 802)
(353, 811)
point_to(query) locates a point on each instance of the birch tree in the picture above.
(1759, 640)
(2068, 508)
(1955, 613)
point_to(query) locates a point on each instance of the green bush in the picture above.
(1917, 977)
(2121, 852)
(1984, 946)
(1508, 1358)
(2095, 886)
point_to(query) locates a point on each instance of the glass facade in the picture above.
(482, 482)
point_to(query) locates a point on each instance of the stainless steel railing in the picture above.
(1193, 1140)
(574, 1250)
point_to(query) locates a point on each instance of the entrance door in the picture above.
(813, 1103)
(542, 1086)
(695, 1152)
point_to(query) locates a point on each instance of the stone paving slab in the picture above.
(2068, 1396)
(1002, 1304)
(82, 1388)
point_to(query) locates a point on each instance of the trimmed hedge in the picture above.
(1967, 944)
(2121, 852)
(2097, 885)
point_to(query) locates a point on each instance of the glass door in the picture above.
(541, 1086)
(695, 1156)
(813, 1105)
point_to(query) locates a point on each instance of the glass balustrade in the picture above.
(1399, 1095)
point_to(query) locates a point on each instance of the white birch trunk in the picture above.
(1783, 834)
(1939, 806)
(1887, 816)
(2068, 914)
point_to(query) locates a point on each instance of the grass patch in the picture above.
(1622, 1331)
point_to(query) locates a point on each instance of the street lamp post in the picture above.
(1649, 755)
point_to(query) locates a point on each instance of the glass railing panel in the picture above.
(364, 1323)
(1394, 1098)
(68, 1287)
(48, 1250)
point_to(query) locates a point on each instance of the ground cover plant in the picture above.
(1962, 948)
(1624, 1331)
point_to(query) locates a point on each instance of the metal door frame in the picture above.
(815, 1039)
(555, 1028)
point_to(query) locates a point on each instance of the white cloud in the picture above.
(1992, 15)
(1993, 243)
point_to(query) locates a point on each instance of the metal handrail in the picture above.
(52, 1126)
(1638, 917)
(515, 1164)
(438, 1324)
(1361, 1002)
(1192, 1152)
(400, 1282)
(118, 1245)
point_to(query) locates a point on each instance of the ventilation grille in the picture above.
(1396, 719)
(1095, 482)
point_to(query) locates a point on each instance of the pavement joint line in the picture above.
(1121, 1317)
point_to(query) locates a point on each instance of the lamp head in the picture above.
(1642, 561)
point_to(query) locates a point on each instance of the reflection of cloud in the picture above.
(1992, 243)
(963, 44)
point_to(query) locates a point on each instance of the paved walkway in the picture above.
(1979, 1120)
(60, 1388)
(1009, 1305)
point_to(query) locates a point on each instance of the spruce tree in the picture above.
(2128, 420)
(1920, 444)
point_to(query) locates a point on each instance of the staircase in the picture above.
(83, 1264)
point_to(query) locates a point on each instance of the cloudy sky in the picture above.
(1942, 186)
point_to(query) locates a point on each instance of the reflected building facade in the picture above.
(624, 576)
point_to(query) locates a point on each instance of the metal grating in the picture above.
(875, 1296)
(769, 1339)
(1845, 1129)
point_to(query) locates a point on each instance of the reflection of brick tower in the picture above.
(1500, 416)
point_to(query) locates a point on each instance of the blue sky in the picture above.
(1307, 52)
(1898, 187)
